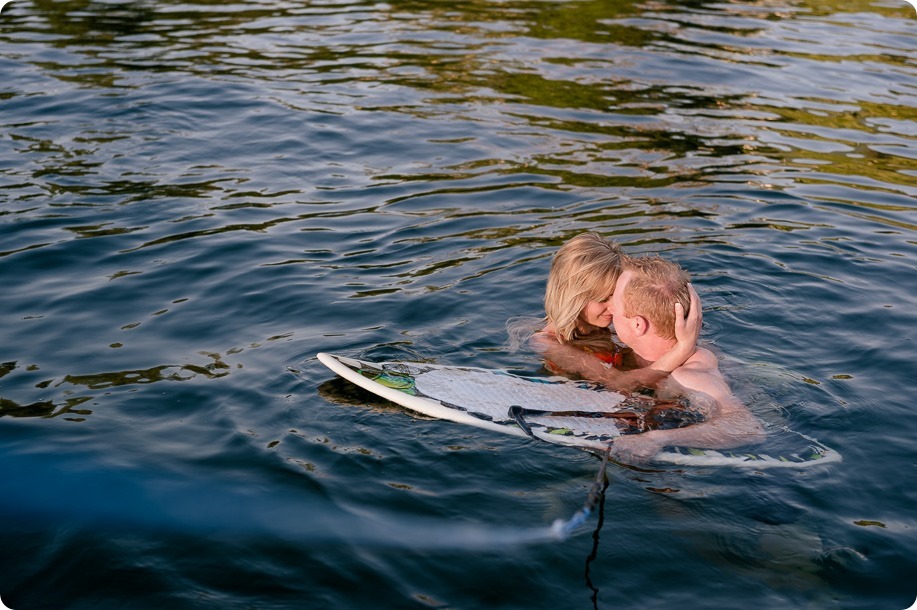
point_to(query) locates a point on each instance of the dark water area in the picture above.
(196, 198)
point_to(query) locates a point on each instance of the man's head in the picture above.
(645, 297)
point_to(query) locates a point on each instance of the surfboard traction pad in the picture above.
(593, 433)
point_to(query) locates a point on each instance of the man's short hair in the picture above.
(654, 287)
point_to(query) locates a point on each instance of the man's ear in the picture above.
(640, 325)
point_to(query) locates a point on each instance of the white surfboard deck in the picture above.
(483, 397)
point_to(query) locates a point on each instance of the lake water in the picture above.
(196, 198)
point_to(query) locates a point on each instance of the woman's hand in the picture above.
(687, 331)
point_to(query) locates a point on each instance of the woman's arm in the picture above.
(567, 358)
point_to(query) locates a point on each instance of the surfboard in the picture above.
(557, 410)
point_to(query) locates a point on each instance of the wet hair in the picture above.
(654, 287)
(583, 269)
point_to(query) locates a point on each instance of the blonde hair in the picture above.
(654, 287)
(583, 269)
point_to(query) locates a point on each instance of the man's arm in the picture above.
(729, 423)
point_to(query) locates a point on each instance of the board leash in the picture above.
(563, 529)
(516, 412)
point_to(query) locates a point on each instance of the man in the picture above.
(644, 297)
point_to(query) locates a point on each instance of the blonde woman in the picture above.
(577, 337)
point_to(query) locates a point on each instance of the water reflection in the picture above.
(98, 23)
(590, 91)
(393, 178)
(70, 384)
(46, 408)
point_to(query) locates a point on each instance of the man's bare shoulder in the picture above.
(701, 373)
(703, 360)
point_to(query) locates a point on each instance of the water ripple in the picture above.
(194, 195)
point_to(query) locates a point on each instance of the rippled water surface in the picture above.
(196, 198)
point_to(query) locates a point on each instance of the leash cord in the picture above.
(561, 528)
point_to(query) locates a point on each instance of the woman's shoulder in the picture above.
(542, 340)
